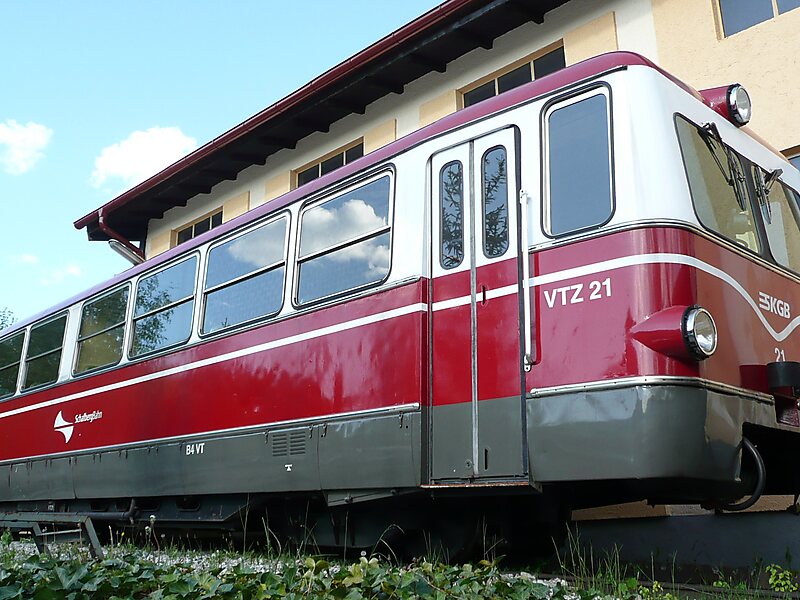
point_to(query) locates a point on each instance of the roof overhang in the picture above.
(422, 46)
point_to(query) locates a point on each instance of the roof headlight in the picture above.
(699, 332)
(739, 106)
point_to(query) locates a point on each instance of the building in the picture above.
(457, 54)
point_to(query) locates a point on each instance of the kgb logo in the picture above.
(774, 305)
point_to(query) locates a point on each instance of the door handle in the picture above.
(527, 359)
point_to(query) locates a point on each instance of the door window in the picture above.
(495, 202)
(451, 203)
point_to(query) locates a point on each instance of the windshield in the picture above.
(718, 184)
(726, 189)
(779, 211)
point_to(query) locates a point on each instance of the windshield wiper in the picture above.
(733, 175)
(771, 178)
(764, 182)
(762, 192)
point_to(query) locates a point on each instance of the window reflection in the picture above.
(43, 356)
(247, 253)
(162, 329)
(579, 163)
(781, 221)
(10, 357)
(350, 267)
(101, 332)
(495, 203)
(451, 201)
(164, 306)
(168, 286)
(716, 182)
(244, 277)
(244, 301)
(345, 242)
(355, 213)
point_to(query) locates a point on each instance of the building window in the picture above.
(200, 226)
(738, 15)
(329, 163)
(787, 5)
(515, 76)
(795, 160)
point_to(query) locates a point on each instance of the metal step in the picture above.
(34, 521)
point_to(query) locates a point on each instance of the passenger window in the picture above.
(717, 185)
(578, 173)
(43, 357)
(495, 203)
(451, 202)
(244, 277)
(102, 330)
(781, 220)
(345, 242)
(10, 357)
(164, 305)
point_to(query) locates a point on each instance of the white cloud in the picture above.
(25, 259)
(260, 247)
(56, 276)
(21, 146)
(141, 155)
(324, 227)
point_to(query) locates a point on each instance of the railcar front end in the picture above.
(666, 346)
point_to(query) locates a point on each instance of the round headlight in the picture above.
(739, 106)
(699, 332)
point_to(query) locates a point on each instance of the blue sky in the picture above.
(97, 95)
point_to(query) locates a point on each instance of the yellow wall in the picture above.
(236, 206)
(160, 243)
(590, 39)
(380, 135)
(278, 185)
(439, 107)
(763, 58)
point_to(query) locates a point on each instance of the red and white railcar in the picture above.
(583, 289)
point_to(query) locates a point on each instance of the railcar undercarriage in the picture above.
(407, 523)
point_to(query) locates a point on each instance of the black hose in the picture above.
(112, 516)
(760, 482)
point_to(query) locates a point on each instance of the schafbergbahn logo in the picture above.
(66, 427)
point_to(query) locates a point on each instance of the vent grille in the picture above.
(289, 443)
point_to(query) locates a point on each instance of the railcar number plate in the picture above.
(577, 293)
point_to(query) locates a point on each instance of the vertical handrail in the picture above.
(527, 359)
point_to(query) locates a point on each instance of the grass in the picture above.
(174, 573)
(607, 576)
